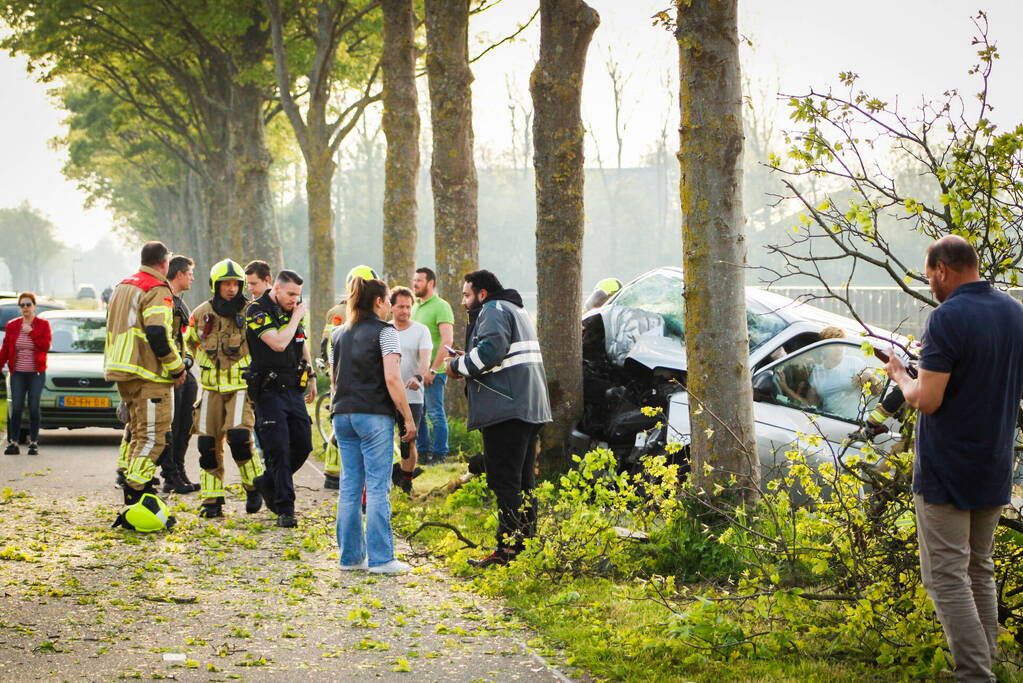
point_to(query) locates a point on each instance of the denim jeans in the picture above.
(25, 384)
(434, 415)
(366, 443)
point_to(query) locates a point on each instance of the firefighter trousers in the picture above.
(219, 416)
(150, 409)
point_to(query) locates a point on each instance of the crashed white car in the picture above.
(634, 356)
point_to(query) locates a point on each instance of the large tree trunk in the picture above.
(401, 128)
(453, 169)
(714, 246)
(320, 280)
(252, 213)
(566, 27)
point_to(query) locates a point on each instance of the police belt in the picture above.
(277, 380)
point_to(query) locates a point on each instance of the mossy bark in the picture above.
(253, 228)
(453, 169)
(714, 246)
(401, 128)
(566, 28)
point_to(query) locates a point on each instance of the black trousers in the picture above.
(509, 455)
(172, 460)
(285, 435)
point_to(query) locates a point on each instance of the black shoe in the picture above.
(173, 483)
(495, 558)
(439, 459)
(287, 521)
(33, 448)
(253, 502)
(193, 487)
(425, 458)
(211, 510)
(331, 482)
(12, 449)
(266, 490)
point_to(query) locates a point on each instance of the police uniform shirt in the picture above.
(265, 314)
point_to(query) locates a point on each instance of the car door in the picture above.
(824, 389)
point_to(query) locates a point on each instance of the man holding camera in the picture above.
(279, 375)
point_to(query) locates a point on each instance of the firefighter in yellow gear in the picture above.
(336, 318)
(140, 356)
(216, 338)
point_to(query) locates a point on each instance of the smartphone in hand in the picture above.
(883, 357)
(451, 351)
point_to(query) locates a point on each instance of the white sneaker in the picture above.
(356, 567)
(392, 567)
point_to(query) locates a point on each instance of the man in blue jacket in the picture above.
(507, 390)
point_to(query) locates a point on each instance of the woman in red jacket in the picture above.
(24, 353)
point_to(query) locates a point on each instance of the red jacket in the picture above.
(40, 335)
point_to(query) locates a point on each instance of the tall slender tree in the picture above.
(401, 128)
(566, 28)
(327, 27)
(714, 245)
(453, 169)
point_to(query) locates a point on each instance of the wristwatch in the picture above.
(432, 371)
(418, 377)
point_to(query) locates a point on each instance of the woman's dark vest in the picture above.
(360, 384)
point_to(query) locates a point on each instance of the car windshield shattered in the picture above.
(78, 335)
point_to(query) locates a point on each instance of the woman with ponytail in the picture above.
(368, 394)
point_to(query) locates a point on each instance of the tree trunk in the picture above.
(401, 128)
(714, 247)
(319, 289)
(252, 212)
(566, 27)
(453, 169)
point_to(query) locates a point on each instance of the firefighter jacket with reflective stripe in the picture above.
(140, 301)
(219, 346)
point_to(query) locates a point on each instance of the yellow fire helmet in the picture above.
(149, 514)
(609, 285)
(225, 270)
(365, 272)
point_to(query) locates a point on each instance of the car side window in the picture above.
(835, 379)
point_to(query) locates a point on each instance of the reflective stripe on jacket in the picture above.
(219, 347)
(140, 301)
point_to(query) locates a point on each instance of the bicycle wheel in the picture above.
(324, 425)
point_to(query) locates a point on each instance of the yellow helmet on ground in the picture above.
(365, 272)
(149, 514)
(225, 270)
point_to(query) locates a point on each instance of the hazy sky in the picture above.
(906, 48)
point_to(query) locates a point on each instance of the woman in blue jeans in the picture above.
(367, 395)
(26, 343)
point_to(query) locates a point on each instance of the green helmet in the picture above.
(225, 270)
(609, 285)
(149, 514)
(365, 272)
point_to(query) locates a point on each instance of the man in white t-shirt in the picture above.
(416, 346)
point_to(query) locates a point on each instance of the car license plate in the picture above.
(84, 402)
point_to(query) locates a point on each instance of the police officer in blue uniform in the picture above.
(279, 376)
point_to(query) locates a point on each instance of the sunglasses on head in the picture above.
(25, 304)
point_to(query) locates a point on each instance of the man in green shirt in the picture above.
(436, 314)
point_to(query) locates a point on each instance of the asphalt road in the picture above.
(216, 600)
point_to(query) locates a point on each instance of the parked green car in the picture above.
(75, 394)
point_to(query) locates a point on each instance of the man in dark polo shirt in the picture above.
(968, 395)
